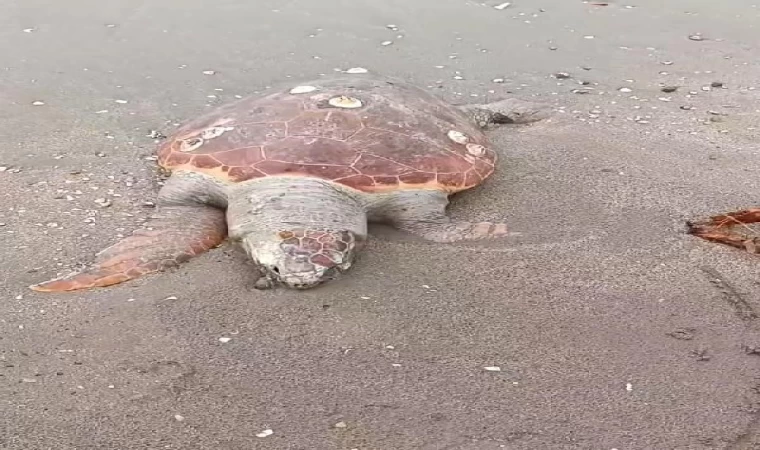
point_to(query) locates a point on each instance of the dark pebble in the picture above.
(669, 89)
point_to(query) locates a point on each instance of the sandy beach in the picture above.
(602, 325)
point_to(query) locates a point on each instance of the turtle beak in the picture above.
(308, 280)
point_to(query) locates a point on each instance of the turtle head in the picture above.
(303, 259)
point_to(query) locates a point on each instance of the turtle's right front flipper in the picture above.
(172, 236)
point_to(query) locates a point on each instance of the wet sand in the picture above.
(611, 327)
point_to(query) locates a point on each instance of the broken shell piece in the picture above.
(302, 89)
(458, 137)
(215, 132)
(357, 70)
(345, 102)
(188, 145)
(475, 149)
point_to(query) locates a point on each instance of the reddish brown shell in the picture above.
(400, 138)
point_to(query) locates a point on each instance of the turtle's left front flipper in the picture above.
(730, 229)
(172, 236)
(423, 213)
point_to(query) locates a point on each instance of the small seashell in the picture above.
(458, 137)
(214, 132)
(188, 145)
(502, 6)
(265, 433)
(302, 89)
(38, 103)
(209, 72)
(345, 102)
(492, 368)
(475, 149)
(357, 70)
(386, 43)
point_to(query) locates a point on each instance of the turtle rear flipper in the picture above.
(730, 229)
(509, 111)
(172, 236)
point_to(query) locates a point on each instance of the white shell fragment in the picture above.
(475, 149)
(214, 132)
(265, 433)
(357, 70)
(38, 103)
(503, 6)
(188, 145)
(458, 137)
(492, 368)
(345, 102)
(302, 89)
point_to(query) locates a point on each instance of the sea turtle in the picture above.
(737, 229)
(294, 176)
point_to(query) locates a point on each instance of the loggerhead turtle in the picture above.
(737, 229)
(295, 176)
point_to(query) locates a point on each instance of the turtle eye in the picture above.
(276, 269)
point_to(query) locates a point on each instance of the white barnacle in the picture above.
(475, 149)
(303, 89)
(458, 137)
(214, 132)
(345, 102)
(188, 145)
